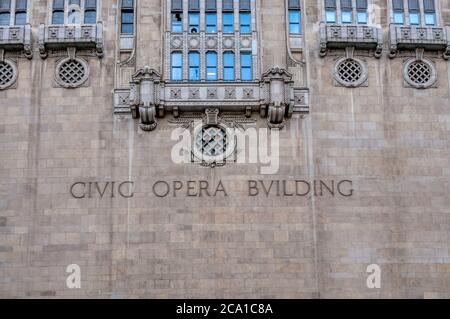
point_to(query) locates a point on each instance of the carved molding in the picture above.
(275, 97)
(86, 36)
(403, 37)
(341, 36)
(16, 38)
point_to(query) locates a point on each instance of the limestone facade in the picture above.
(87, 115)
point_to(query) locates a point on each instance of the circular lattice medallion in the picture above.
(419, 73)
(8, 74)
(72, 72)
(213, 143)
(350, 72)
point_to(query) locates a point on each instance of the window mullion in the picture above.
(422, 13)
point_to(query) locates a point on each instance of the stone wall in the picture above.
(392, 142)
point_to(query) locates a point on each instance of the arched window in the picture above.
(228, 66)
(194, 66)
(176, 66)
(211, 66)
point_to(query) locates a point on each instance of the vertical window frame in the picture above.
(246, 67)
(177, 67)
(209, 66)
(229, 68)
(194, 69)
(126, 9)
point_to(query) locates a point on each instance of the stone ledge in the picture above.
(341, 36)
(402, 37)
(16, 38)
(83, 36)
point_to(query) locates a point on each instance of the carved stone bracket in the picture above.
(274, 96)
(402, 37)
(16, 38)
(279, 95)
(340, 36)
(144, 97)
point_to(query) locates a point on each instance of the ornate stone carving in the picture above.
(66, 36)
(194, 93)
(278, 90)
(175, 94)
(144, 97)
(413, 37)
(16, 38)
(419, 72)
(248, 93)
(212, 93)
(340, 36)
(230, 93)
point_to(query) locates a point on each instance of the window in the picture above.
(177, 66)
(420, 12)
(244, 22)
(177, 16)
(21, 12)
(330, 11)
(58, 12)
(90, 11)
(246, 66)
(245, 17)
(211, 16)
(211, 22)
(194, 66)
(211, 66)
(430, 12)
(228, 16)
(194, 16)
(228, 66)
(5, 12)
(78, 11)
(361, 11)
(194, 22)
(127, 17)
(346, 11)
(294, 17)
(398, 11)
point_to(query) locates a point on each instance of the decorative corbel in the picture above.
(278, 85)
(144, 97)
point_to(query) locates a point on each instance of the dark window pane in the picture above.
(90, 17)
(4, 18)
(58, 4)
(331, 4)
(211, 5)
(397, 4)
(127, 17)
(90, 4)
(194, 5)
(77, 2)
(346, 4)
(244, 5)
(413, 5)
(127, 28)
(21, 4)
(5, 4)
(294, 4)
(227, 5)
(428, 5)
(21, 18)
(177, 5)
(127, 3)
(361, 4)
(58, 17)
